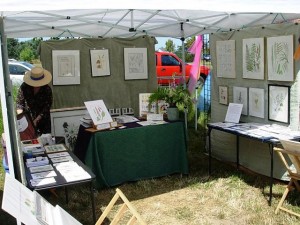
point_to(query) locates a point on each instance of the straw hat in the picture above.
(37, 77)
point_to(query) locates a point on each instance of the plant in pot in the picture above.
(178, 98)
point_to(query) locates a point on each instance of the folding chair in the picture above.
(291, 150)
(126, 206)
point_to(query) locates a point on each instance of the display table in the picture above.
(61, 182)
(252, 131)
(135, 153)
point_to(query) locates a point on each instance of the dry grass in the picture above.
(227, 196)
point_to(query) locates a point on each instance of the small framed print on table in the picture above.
(279, 103)
(223, 95)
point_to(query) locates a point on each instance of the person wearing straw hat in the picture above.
(35, 96)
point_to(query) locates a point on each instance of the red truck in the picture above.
(168, 64)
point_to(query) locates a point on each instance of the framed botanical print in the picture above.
(100, 62)
(279, 103)
(226, 59)
(253, 58)
(257, 102)
(136, 64)
(280, 58)
(240, 95)
(223, 95)
(66, 67)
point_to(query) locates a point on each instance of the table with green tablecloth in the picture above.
(137, 153)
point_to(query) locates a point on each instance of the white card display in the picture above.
(98, 112)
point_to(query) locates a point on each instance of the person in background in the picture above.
(35, 96)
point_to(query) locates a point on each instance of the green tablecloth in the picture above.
(137, 153)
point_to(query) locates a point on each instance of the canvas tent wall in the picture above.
(115, 18)
(253, 154)
(114, 89)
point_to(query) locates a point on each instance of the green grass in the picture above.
(227, 196)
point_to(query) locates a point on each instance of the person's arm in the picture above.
(20, 101)
(47, 105)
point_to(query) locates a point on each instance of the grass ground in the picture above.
(228, 196)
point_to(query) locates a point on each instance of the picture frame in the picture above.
(257, 102)
(240, 96)
(253, 58)
(66, 67)
(279, 103)
(226, 59)
(223, 95)
(65, 123)
(280, 58)
(135, 63)
(100, 62)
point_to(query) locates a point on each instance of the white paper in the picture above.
(234, 112)
(30, 208)
(98, 112)
(18, 201)
(64, 218)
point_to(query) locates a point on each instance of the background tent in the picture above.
(75, 18)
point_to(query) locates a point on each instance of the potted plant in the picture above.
(178, 99)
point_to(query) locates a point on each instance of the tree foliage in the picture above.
(13, 48)
(24, 50)
(170, 46)
(187, 44)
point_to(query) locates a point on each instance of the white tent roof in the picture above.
(116, 18)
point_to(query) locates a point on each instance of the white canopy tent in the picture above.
(138, 17)
(116, 18)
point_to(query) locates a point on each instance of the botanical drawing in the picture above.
(71, 132)
(223, 95)
(240, 97)
(135, 62)
(256, 102)
(66, 66)
(253, 58)
(279, 103)
(100, 62)
(98, 112)
(226, 59)
(280, 58)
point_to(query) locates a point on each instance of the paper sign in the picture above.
(234, 112)
(98, 112)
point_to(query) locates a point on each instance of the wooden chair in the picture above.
(126, 206)
(291, 150)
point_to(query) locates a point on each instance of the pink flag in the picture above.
(195, 70)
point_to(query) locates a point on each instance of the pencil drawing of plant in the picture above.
(253, 57)
(278, 102)
(279, 57)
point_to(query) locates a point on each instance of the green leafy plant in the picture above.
(175, 96)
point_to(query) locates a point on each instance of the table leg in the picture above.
(209, 151)
(93, 201)
(237, 152)
(67, 194)
(271, 146)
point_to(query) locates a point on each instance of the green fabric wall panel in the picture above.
(114, 89)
